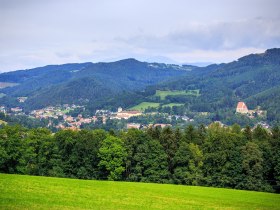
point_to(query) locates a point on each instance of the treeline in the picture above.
(214, 156)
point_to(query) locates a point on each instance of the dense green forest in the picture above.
(214, 156)
(86, 83)
(253, 79)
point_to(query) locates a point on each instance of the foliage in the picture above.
(86, 83)
(112, 156)
(215, 156)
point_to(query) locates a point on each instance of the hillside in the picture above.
(253, 79)
(214, 89)
(30, 192)
(55, 84)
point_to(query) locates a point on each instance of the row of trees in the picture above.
(213, 156)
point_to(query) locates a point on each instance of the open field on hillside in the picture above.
(144, 105)
(30, 192)
(173, 104)
(2, 122)
(7, 84)
(163, 93)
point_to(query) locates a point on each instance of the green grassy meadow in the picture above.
(144, 105)
(31, 192)
(163, 93)
(7, 84)
(2, 122)
(173, 104)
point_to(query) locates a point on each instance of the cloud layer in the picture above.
(35, 33)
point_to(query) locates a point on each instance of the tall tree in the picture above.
(85, 153)
(112, 156)
(247, 133)
(222, 164)
(66, 140)
(170, 144)
(188, 164)
(275, 146)
(15, 152)
(151, 162)
(133, 139)
(252, 166)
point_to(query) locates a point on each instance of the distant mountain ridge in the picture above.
(54, 84)
(253, 78)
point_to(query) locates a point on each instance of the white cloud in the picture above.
(35, 33)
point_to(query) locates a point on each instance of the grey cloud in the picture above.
(40, 32)
(64, 54)
(259, 32)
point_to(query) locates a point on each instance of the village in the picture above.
(62, 117)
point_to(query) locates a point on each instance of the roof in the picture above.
(131, 112)
(241, 105)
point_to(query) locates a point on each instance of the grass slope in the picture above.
(173, 104)
(7, 84)
(144, 105)
(30, 192)
(163, 93)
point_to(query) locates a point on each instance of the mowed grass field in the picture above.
(144, 105)
(163, 93)
(30, 192)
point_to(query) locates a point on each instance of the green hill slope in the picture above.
(253, 79)
(58, 81)
(30, 192)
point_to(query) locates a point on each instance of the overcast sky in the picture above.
(40, 32)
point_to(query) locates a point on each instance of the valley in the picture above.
(202, 94)
(140, 105)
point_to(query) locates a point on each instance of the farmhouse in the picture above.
(242, 108)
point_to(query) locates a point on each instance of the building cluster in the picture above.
(60, 117)
(21, 99)
(139, 126)
(3, 109)
(243, 109)
(120, 114)
(74, 123)
(179, 117)
(16, 109)
(125, 114)
(102, 115)
(53, 111)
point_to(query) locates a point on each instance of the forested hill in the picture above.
(74, 83)
(253, 79)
